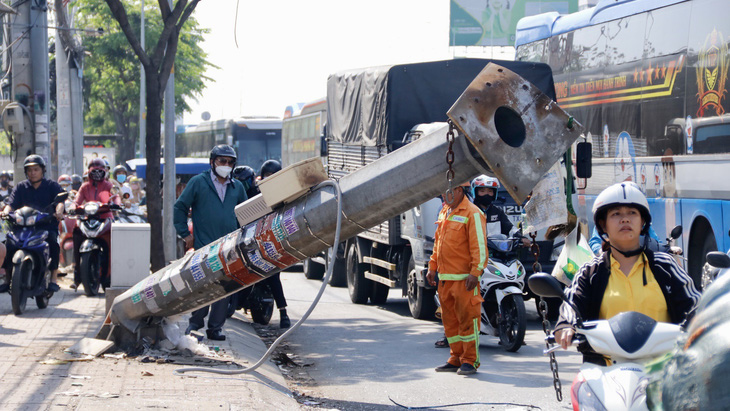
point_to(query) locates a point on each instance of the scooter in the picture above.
(630, 339)
(502, 285)
(30, 274)
(94, 251)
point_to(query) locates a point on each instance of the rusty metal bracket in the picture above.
(519, 131)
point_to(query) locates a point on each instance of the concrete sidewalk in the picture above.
(35, 373)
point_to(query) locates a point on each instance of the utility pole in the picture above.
(24, 139)
(168, 194)
(142, 94)
(40, 81)
(69, 111)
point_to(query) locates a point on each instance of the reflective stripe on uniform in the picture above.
(481, 235)
(459, 219)
(453, 277)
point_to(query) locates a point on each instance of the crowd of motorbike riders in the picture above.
(99, 184)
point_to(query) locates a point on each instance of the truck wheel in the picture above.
(312, 270)
(380, 292)
(421, 300)
(358, 286)
(702, 242)
(339, 274)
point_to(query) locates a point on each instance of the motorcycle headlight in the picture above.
(31, 220)
(19, 220)
(91, 208)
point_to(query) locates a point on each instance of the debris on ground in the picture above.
(90, 346)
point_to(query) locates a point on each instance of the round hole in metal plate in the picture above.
(509, 126)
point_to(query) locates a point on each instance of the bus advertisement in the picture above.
(648, 80)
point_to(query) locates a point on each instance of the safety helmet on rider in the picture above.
(621, 194)
(76, 181)
(64, 180)
(34, 160)
(269, 167)
(5, 179)
(222, 150)
(117, 171)
(245, 174)
(97, 169)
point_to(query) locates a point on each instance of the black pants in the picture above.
(216, 319)
(53, 249)
(274, 282)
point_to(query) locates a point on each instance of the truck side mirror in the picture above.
(583, 158)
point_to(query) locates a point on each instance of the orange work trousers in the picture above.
(460, 313)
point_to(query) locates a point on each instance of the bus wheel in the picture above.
(702, 242)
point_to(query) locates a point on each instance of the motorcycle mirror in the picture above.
(583, 158)
(718, 259)
(61, 197)
(545, 285)
(676, 232)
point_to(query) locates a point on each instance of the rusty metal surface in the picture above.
(546, 132)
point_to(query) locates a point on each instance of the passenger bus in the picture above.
(648, 80)
(256, 139)
(303, 132)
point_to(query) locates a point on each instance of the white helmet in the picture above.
(484, 181)
(626, 193)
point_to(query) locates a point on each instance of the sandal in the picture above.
(442, 343)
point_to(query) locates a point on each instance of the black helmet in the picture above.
(244, 173)
(35, 160)
(270, 167)
(76, 181)
(223, 150)
(5, 174)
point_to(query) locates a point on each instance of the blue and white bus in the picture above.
(649, 80)
(256, 139)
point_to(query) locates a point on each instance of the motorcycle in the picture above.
(717, 264)
(630, 339)
(94, 251)
(30, 274)
(668, 245)
(258, 299)
(501, 286)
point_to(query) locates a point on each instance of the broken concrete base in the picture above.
(148, 333)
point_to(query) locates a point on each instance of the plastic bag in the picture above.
(576, 252)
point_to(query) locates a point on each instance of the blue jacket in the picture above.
(212, 219)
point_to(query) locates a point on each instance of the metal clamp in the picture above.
(306, 222)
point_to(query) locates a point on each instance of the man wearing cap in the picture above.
(459, 255)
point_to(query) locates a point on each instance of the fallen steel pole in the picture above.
(379, 191)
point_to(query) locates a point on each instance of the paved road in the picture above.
(363, 355)
(31, 380)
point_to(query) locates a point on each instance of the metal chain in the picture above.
(450, 136)
(536, 268)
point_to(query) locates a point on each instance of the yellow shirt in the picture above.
(628, 293)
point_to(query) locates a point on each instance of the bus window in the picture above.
(712, 139)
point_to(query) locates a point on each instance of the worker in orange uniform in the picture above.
(459, 255)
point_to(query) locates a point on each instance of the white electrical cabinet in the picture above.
(130, 253)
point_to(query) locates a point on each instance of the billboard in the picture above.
(493, 22)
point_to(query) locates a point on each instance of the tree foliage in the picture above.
(112, 70)
(158, 62)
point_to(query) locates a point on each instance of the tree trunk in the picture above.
(154, 192)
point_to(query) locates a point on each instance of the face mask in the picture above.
(121, 177)
(484, 201)
(4, 183)
(223, 171)
(96, 174)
